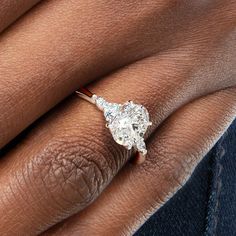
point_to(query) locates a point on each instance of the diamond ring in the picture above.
(127, 122)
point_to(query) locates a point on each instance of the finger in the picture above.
(10, 10)
(62, 45)
(175, 150)
(55, 49)
(69, 158)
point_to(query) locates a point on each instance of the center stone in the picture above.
(127, 123)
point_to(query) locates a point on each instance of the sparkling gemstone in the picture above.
(127, 123)
(101, 103)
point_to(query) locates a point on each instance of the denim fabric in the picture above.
(206, 205)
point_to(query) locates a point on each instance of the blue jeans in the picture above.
(206, 205)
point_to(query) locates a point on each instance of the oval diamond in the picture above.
(129, 125)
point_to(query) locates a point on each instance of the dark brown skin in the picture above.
(174, 57)
(61, 45)
(174, 151)
(11, 10)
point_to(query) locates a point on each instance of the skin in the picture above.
(174, 151)
(10, 10)
(89, 51)
(162, 54)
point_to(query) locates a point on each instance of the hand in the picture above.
(174, 151)
(167, 54)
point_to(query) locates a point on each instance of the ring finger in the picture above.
(174, 151)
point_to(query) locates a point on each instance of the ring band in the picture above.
(127, 122)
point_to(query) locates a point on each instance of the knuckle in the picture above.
(180, 161)
(174, 162)
(80, 166)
